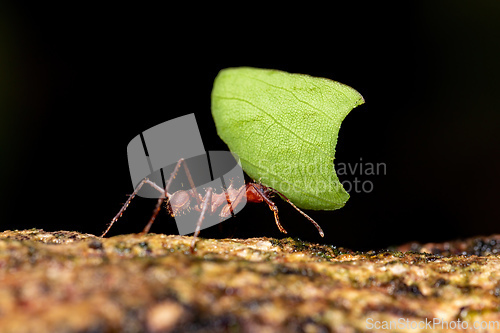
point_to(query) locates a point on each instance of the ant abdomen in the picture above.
(179, 202)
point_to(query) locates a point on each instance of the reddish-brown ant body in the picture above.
(209, 203)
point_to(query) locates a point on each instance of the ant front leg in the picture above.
(265, 197)
(321, 233)
(264, 191)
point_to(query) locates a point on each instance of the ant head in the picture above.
(179, 201)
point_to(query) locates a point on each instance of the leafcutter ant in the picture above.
(209, 203)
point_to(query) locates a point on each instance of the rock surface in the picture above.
(71, 282)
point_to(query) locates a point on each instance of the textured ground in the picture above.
(70, 282)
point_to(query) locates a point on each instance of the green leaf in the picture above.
(284, 129)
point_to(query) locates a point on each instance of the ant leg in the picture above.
(163, 196)
(190, 179)
(204, 205)
(228, 209)
(271, 205)
(127, 203)
(321, 233)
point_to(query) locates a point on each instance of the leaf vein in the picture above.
(277, 122)
(289, 91)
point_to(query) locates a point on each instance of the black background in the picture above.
(78, 81)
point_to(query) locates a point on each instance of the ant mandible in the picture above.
(231, 198)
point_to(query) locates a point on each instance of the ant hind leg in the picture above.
(127, 203)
